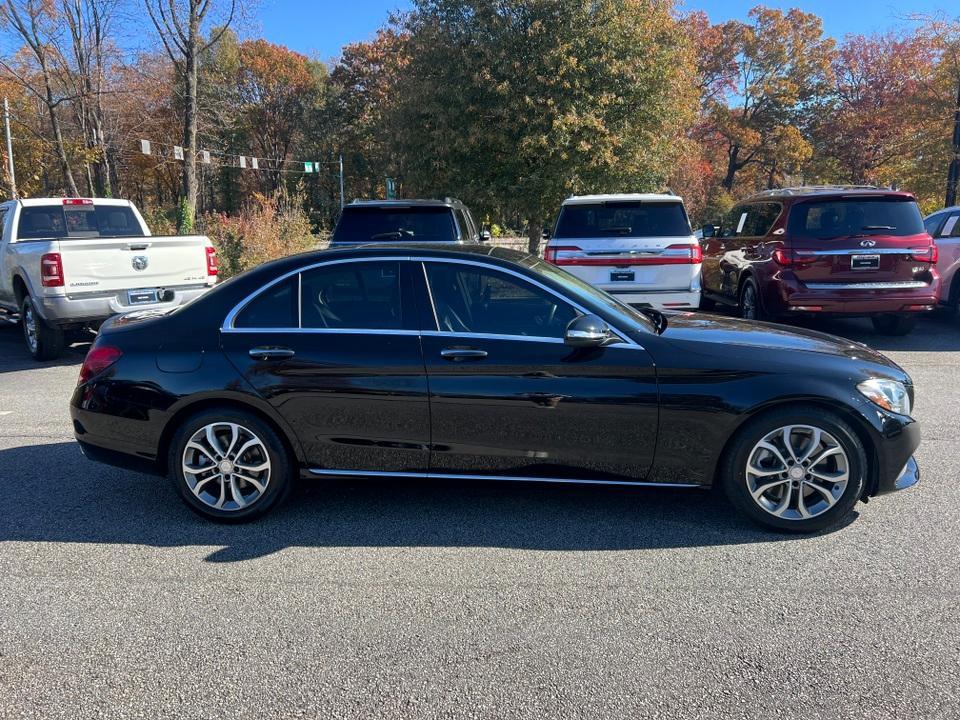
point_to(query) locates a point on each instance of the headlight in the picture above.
(888, 394)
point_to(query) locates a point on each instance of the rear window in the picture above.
(393, 224)
(623, 219)
(77, 221)
(846, 217)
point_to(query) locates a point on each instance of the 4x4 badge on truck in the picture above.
(140, 262)
(863, 243)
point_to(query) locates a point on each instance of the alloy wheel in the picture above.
(226, 466)
(30, 326)
(797, 472)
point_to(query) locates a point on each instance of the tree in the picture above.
(782, 64)
(518, 103)
(35, 22)
(869, 122)
(179, 24)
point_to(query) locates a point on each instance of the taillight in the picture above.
(551, 254)
(790, 259)
(683, 254)
(212, 264)
(98, 359)
(928, 254)
(51, 270)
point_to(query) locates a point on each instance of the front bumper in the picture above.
(897, 468)
(68, 309)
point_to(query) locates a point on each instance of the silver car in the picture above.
(944, 228)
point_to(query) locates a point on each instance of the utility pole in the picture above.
(6, 124)
(341, 183)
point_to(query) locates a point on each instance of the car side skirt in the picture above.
(511, 478)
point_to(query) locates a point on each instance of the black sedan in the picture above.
(482, 363)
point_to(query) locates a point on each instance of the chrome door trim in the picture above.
(325, 472)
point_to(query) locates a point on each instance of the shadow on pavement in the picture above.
(53, 494)
(15, 357)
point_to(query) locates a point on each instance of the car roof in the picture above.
(952, 208)
(621, 197)
(822, 191)
(413, 202)
(32, 202)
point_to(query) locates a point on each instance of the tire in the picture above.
(43, 341)
(749, 306)
(894, 324)
(267, 479)
(828, 488)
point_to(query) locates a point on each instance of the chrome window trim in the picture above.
(325, 472)
(891, 285)
(228, 323)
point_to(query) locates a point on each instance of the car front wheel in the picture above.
(795, 470)
(229, 466)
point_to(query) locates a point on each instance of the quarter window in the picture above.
(479, 300)
(275, 307)
(363, 295)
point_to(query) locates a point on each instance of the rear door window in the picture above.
(395, 224)
(623, 219)
(847, 217)
(361, 295)
(77, 221)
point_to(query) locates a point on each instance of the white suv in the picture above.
(637, 247)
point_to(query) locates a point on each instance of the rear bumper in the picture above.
(659, 300)
(67, 309)
(788, 296)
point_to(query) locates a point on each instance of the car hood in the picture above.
(728, 331)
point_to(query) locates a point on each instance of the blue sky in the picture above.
(321, 27)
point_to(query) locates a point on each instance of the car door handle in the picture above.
(271, 353)
(457, 354)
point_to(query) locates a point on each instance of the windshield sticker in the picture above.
(948, 228)
(743, 219)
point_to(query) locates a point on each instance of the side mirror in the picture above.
(709, 231)
(485, 236)
(586, 331)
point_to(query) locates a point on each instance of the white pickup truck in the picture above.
(70, 263)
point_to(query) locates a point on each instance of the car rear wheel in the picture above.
(229, 466)
(45, 342)
(750, 308)
(795, 470)
(894, 324)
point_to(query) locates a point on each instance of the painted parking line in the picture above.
(6, 412)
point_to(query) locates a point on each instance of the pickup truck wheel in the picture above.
(44, 341)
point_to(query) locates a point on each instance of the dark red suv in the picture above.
(823, 250)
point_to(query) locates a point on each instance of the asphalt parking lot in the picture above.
(403, 599)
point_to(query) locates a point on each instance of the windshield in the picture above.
(623, 219)
(395, 224)
(852, 217)
(578, 289)
(40, 222)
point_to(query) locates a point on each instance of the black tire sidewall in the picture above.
(756, 294)
(733, 470)
(281, 465)
(893, 324)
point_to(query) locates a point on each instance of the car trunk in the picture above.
(856, 241)
(110, 264)
(628, 263)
